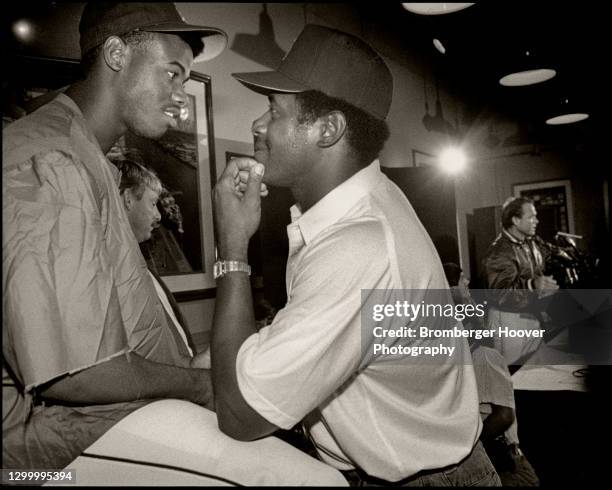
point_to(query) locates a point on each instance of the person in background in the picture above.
(496, 396)
(515, 280)
(85, 337)
(379, 422)
(140, 189)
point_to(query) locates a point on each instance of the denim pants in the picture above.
(476, 470)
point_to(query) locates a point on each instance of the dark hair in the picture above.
(139, 40)
(513, 208)
(366, 134)
(452, 272)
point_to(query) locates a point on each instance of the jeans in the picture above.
(476, 470)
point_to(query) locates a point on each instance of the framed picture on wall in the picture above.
(553, 203)
(182, 249)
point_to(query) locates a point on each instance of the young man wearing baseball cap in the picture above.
(84, 334)
(352, 230)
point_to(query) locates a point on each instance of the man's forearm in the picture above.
(233, 323)
(497, 422)
(131, 377)
(237, 216)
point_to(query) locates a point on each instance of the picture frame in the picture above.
(554, 204)
(422, 159)
(184, 160)
(192, 174)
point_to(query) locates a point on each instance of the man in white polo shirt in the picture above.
(352, 230)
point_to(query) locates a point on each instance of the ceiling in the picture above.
(484, 41)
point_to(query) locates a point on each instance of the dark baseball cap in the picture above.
(100, 20)
(333, 62)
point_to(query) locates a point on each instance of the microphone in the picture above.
(569, 235)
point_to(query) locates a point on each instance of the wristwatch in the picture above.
(222, 267)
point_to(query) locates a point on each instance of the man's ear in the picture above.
(115, 52)
(127, 199)
(333, 127)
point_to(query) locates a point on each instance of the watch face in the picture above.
(217, 270)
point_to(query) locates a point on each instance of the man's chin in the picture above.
(271, 181)
(152, 133)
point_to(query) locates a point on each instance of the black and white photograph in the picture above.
(305, 244)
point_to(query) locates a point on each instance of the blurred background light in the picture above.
(452, 160)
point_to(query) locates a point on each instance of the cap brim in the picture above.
(215, 40)
(266, 82)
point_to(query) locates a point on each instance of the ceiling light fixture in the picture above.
(566, 114)
(439, 46)
(435, 8)
(529, 72)
(452, 160)
(567, 118)
(23, 30)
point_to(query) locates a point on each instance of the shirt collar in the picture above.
(72, 105)
(335, 204)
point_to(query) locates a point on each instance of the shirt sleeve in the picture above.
(61, 308)
(313, 345)
(493, 378)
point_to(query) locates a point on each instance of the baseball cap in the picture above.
(100, 20)
(338, 64)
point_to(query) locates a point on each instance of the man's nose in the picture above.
(179, 96)
(260, 124)
(156, 215)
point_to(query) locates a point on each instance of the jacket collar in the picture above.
(512, 238)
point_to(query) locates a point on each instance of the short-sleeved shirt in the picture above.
(390, 419)
(76, 290)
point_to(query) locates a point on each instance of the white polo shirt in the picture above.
(390, 419)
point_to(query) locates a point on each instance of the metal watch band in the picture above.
(222, 267)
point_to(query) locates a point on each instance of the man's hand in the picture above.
(201, 360)
(546, 285)
(545, 282)
(237, 212)
(204, 394)
(244, 165)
